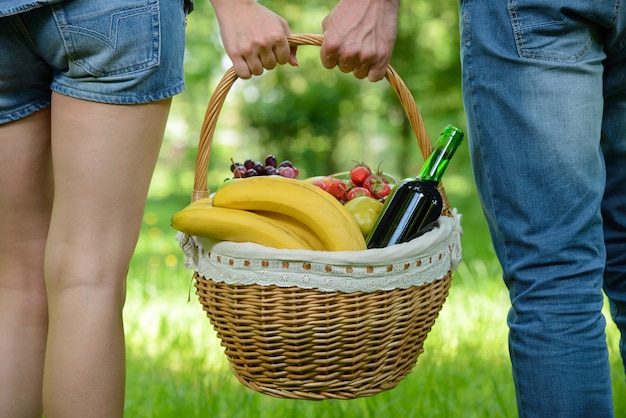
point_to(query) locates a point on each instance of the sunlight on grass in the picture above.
(479, 313)
(175, 329)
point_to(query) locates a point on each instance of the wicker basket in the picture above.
(307, 343)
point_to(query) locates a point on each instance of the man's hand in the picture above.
(359, 36)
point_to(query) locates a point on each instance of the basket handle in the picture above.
(218, 97)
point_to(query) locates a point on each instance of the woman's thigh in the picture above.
(104, 156)
(25, 200)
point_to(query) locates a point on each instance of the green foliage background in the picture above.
(323, 121)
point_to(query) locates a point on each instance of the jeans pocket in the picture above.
(549, 32)
(110, 38)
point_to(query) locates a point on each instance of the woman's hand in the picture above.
(254, 37)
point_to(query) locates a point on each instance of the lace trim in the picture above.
(423, 260)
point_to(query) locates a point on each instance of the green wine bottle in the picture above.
(415, 204)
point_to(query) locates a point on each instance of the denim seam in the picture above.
(18, 24)
(26, 110)
(477, 123)
(622, 41)
(117, 98)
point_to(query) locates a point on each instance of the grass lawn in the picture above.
(176, 367)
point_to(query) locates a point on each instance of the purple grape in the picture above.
(270, 160)
(288, 172)
(259, 168)
(249, 163)
(251, 168)
(234, 166)
(271, 171)
(240, 172)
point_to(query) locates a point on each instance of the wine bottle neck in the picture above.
(438, 161)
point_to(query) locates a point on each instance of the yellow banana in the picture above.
(320, 211)
(204, 201)
(235, 225)
(295, 226)
(286, 222)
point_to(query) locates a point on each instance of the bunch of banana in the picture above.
(319, 211)
(296, 227)
(273, 211)
(224, 224)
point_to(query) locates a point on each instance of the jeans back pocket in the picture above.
(545, 30)
(112, 37)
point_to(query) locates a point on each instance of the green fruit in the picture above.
(364, 210)
(227, 182)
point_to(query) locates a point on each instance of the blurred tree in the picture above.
(426, 55)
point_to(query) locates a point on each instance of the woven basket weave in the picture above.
(299, 343)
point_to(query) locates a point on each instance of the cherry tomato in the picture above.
(364, 210)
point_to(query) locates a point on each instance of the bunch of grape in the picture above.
(270, 167)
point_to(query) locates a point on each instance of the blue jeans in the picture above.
(544, 87)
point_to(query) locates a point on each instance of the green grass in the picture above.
(176, 367)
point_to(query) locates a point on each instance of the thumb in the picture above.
(324, 24)
(292, 58)
(293, 49)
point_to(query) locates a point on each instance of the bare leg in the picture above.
(25, 202)
(103, 157)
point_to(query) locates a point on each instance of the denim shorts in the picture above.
(114, 51)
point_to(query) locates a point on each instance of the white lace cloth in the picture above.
(422, 260)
